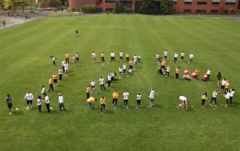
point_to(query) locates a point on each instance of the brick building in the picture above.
(180, 6)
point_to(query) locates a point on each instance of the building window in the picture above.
(201, 3)
(187, 3)
(214, 11)
(230, 3)
(110, 1)
(215, 3)
(187, 11)
(200, 11)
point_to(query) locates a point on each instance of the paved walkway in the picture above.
(11, 21)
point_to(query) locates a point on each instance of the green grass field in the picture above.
(26, 65)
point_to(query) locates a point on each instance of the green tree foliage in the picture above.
(91, 9)
(149, 7)
(120, 8)
(166, 7)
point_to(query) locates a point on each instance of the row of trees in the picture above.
(23, 4)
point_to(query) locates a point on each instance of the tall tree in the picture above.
(166, 7)
(149, 7)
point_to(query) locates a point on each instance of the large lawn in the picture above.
(25, 52)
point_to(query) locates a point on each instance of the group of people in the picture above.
(116, 97)
(125, 69)
(43, 97)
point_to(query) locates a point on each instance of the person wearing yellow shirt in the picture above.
(66, 56)
(227, 86)
(102, 57)
(115, 97)
(54, 78)
(103, 103)
(88, 89)
(50, 83)
(127, 57)
(91, 102)
(177, 72)
(204, 99)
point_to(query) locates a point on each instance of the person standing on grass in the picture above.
(88, 89)
(115, 96)
(121, 56)
(125, 99)
(93, 85)
(177, 72)
(66, 56)
(54, 60)
(191, 56)
(39, 103)
(61, 102)
(60, 73)
(124, 67)
(151, 97)
(102, 57)
(208, 73)
(29, 100)
(214, 98)
(65, 67)
(204, 99)
(94, 56)
(101, 82)
(120, 71)
(4, 23)
(9, 101)
(112, 56)
(165, 54)
(167, 71)
(77, 33)
(109, 79)
(103, 103)
(54, 77)
(157, 56)
(43, 91)
(50, 83)
(139, 99)
(47, 102)
(175, 57)
(182, 55)
(232, 92)
(223, 83)
(127, 57)
(227, 97)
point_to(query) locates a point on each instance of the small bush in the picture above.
(91, 9)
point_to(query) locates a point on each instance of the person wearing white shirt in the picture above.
(61, 102)
(208, 73)
(93, 85)
(124, 68)
(232, 92)
(101, 82)
(43, 91)
(227, 97)
(47, 102)
(63, 62)
(214, 98)
(65, 67)
(182, 55)
(168, 71)
(191, 56)
(175, 57)
(165, 54)
(112, 56)
(60, 73)
(139, 99)
(157, 57)
(29, 99)
(125, 99)
(121, 55)
(39, 103)
(109, 79)
(183, 102)
(94, 56)
(120, 70)
(223, 83)
(54, 60)
(151, 97)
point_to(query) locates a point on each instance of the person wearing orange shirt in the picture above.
(177, 72)
(103, 103)
(50, 83)
(91, 102)
(115, 97)
(54, 78)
